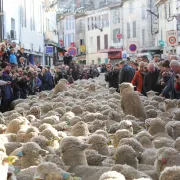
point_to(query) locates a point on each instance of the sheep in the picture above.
(125, 154)
(177, 144)
(11, 146)
(15, 125)
(80, 129)
(151, 113)
(76, 109)
(170, 173)
(103, 133)
(112, 175)
(44, 126)
(113, 115)
(130, 102)
(166, 157)
(133, 143)
(112, 90)
(145, 139)
(175, 130)
(60, 87)
(129, 172)
(99, 143)
(120, 134)
(126, 124)
(72, 151)
(148, 156)
(94, 158)
(55, 159)
(51, 120)
(31, 154)
(36, 111)
(68, 116)
(96, 125)
(176, 116)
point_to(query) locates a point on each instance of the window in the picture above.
(165, 9)
(106, 60)
(88, 24)
(130, 7)
(72, 37)
(92, 62)
(128, 30)
(134, 29)
(169, 9)
(95, 22)
(143, 37)
(143, 12)
(91, 40)
(47, 24)
(13, 24)
(115, 32)
(24, 13)
(67, 23)
(106, 41)
(92, 23)
(99, 60)
(69, 40)
(82, 42)
(32, 11)
(72, 22)
(98, 43)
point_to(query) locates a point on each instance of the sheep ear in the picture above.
(85, 146)
(43, 152)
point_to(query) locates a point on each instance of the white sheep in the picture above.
(80, 129)
(170, 173)
(73, 151)
(112, 175)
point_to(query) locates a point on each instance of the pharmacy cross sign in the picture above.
(172, 40)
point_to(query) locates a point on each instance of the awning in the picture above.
(110, 50)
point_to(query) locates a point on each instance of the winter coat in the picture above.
(138, 81)
(126, 74)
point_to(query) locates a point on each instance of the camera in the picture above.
(177, 76)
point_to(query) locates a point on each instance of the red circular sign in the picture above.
(172, 40)
(133, 47)
(72, 51)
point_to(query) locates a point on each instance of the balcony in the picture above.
(51, 36)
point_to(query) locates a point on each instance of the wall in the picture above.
(136, 11)
(9, 13)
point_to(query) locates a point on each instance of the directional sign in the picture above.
(132, 47)
(49, 49)
(172, 38)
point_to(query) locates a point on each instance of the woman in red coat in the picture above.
(138, 78)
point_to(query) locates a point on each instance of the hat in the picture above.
(156, 55)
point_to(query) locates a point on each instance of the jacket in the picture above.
(171, 88)
(150, 81)
(126, 74)
(138, 81)
(112, 78)
(13, 59)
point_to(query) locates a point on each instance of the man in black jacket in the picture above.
(67, 59)
(151, 78)
(126, 73)
(111, 76)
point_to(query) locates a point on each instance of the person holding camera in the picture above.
(172, 88)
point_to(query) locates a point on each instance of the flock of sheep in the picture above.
(85, 131)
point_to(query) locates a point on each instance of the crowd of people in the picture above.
(159, 75)
(20, 79)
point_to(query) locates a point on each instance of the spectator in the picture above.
(13, 58)
(156, 59)
(172, 87)
(21, 63)
(7, 94)
(67, 59)
(138, 78)
(126, 73)
(112, 76)
(151, 78)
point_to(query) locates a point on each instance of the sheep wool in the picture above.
(170, 173)
(112, 175)
(73, 151)
(130, 102)
(80, 129)
(126, 155)
(99, 143)
(36, 111)
(31, 154)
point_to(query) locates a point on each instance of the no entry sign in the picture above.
(172, 38)
(132, 46)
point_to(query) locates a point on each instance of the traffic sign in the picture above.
(132, 47)
(119, 36)
(72, 51)
(172, 38)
